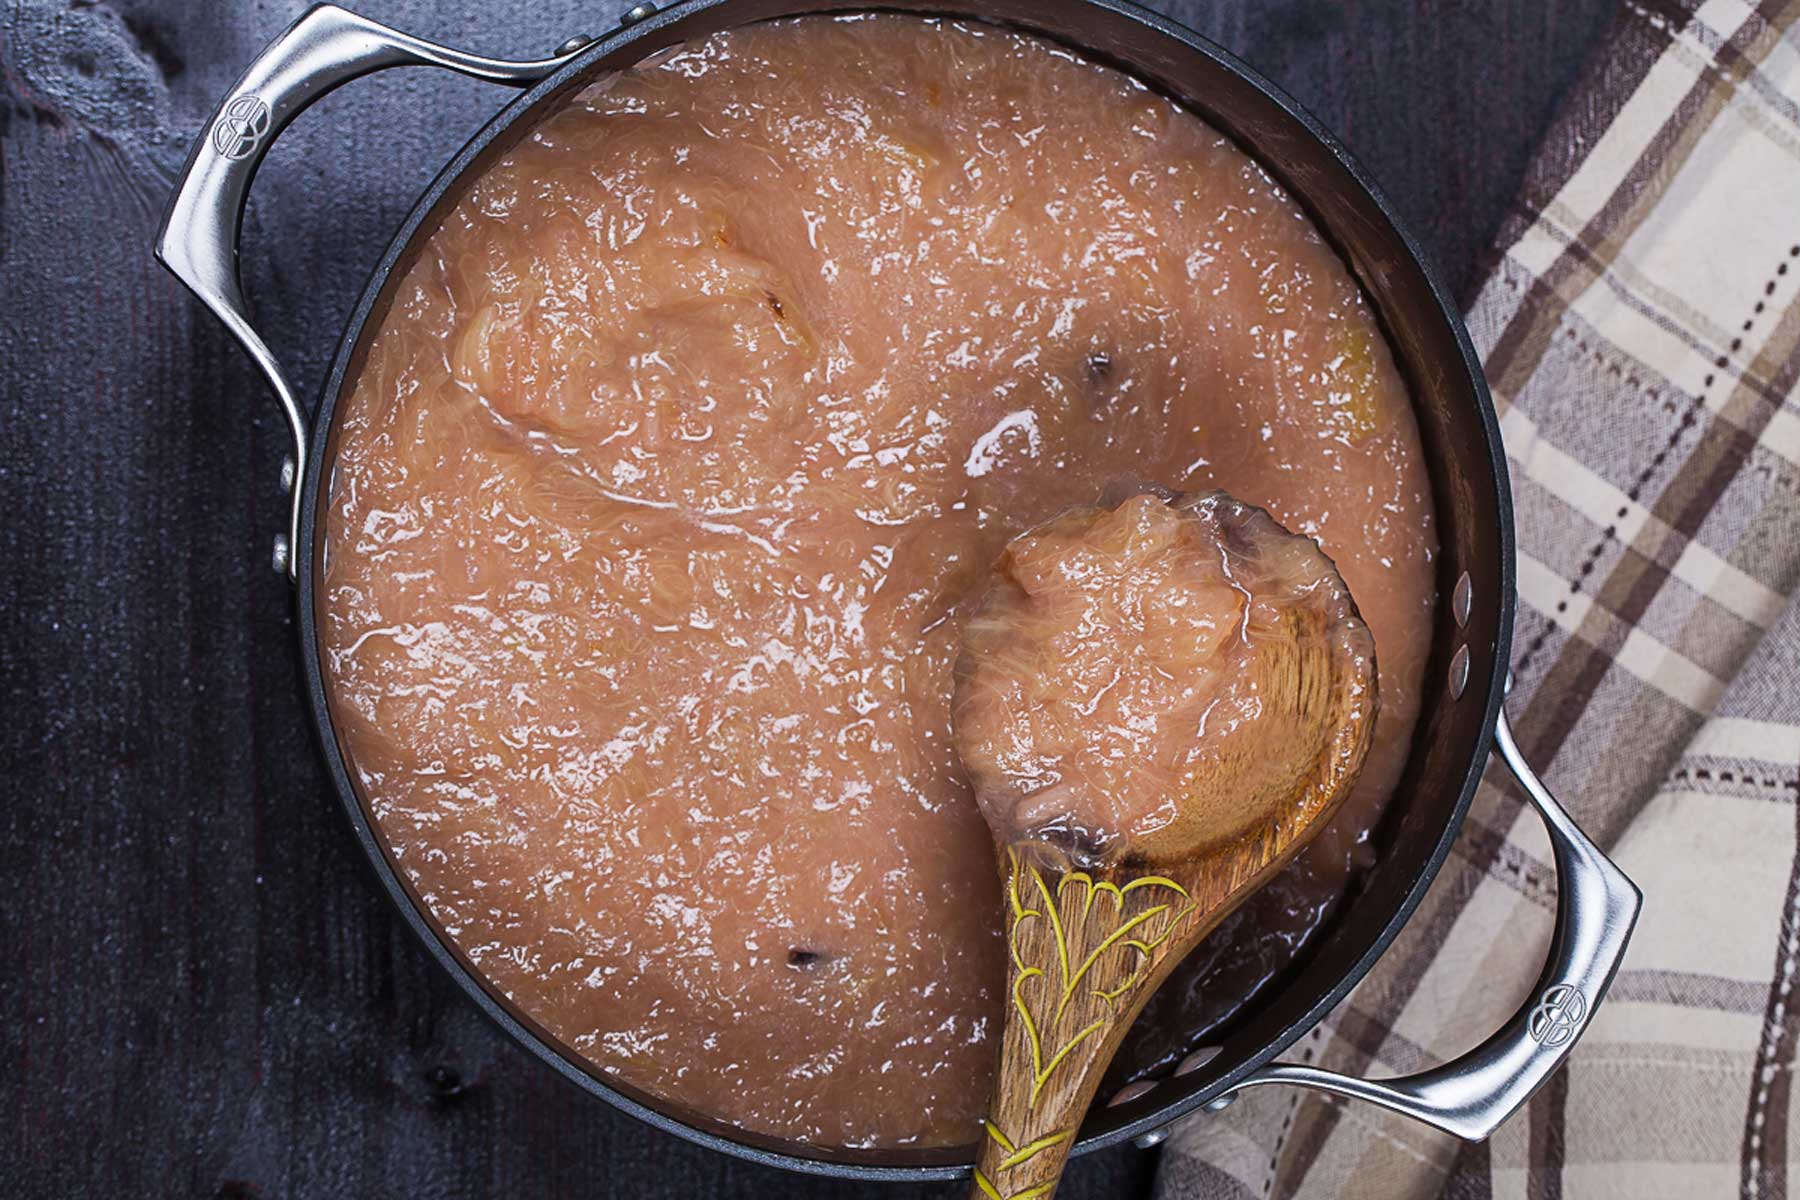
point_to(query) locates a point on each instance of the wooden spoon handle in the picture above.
(1087, 952)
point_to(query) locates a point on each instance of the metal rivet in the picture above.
(1459, 672)
(279, 560)
(1197, 1059)
(1221, 1103)
(1153, 1139)
(1461, 599)
(638, 13)
(287, 474)
(1130, 1092)
(573, 44)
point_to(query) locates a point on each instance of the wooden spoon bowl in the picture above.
(1093, 932)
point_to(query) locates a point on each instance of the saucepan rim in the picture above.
(895, 1165)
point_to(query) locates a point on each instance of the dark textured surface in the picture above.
(201, 994)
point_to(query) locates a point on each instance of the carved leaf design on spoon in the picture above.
(1092, 922)
(1102, 935)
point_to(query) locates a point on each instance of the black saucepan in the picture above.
(1462, 717)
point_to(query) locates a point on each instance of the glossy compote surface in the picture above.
(676, 464)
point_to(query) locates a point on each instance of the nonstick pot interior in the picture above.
(1462, 451)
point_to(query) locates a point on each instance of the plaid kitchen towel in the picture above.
(1642, 336)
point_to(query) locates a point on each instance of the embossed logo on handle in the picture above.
(241, 126)
(1558, 1015)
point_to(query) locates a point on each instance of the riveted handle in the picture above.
(198, 240)
(1597, 907)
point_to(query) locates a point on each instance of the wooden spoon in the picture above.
(1103, 898)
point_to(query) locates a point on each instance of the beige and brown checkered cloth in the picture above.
(1642, 336)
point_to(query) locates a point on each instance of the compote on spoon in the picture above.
(1160, 701)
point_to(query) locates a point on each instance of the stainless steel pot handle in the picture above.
(1597, 906)
(198, 240)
